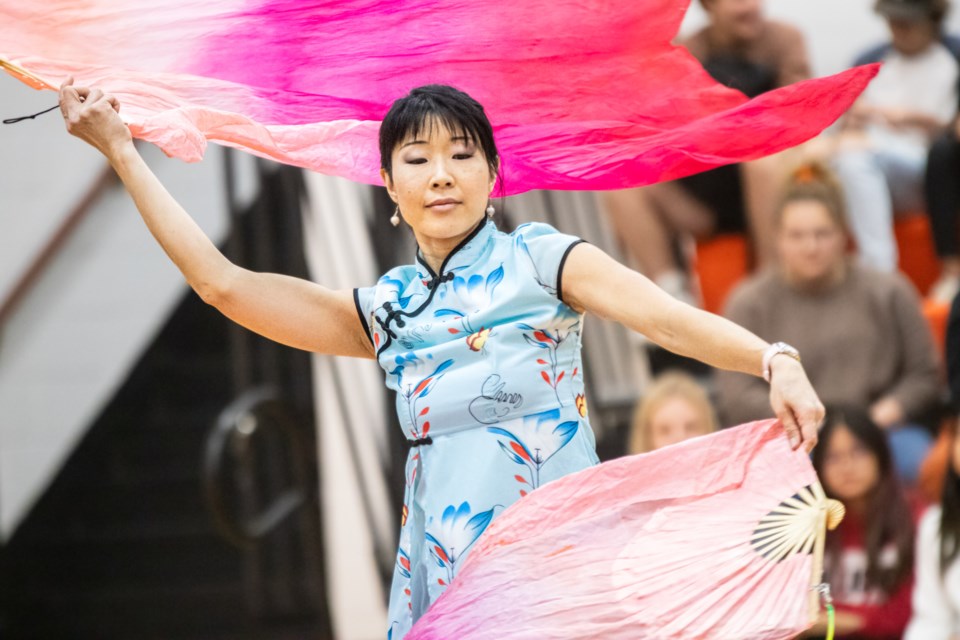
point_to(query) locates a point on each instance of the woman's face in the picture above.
(850, 469)
(675, 420)
(811, 245)
(911, 37)
(442, 184)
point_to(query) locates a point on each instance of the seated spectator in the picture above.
(860, 332)
(868, 559)
(675, 407)
(882, 151)
(743, 50)
(936, 593)
(942, 189)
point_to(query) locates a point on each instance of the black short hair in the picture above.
(437, 103)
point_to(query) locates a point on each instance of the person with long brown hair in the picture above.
(868, 560)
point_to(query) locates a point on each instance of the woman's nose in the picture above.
(441, 175)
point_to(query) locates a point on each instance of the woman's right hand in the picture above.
(91, 115)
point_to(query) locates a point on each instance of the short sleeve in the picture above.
(547, 250)
(363, 300)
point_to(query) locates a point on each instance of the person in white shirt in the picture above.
(882, 152)
(936, 592)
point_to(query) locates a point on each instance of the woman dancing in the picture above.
(480, 337)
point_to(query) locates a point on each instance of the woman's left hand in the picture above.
(795, 402)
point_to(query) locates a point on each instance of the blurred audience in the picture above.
(868, 559)
(936, 594)
(942, 190)
(743, 50)
(881, 155)
(674, 408)
(860, 332)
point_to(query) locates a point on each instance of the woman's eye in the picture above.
(416, 160)
(462, 156)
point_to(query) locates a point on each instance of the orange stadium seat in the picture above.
(936, 314)
(721, 262)
(918, 258)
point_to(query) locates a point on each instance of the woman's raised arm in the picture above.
(292, 311)
(595, 282)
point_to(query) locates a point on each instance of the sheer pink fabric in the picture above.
(650, 546)
(584, 95)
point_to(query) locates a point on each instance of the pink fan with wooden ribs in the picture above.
(718, 537)
(583, 94)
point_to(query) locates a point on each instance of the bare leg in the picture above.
(643, 232)
(682, 212)
(762, 182)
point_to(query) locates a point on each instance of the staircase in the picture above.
(121, 545)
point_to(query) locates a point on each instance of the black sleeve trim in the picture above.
(563, 261)
(363, 320)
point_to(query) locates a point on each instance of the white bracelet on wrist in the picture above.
(776, 349)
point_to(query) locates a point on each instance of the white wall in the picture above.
(75, 337)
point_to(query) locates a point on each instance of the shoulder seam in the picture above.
(563, 261)
(363, 320)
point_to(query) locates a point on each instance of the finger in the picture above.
(810, 420)
(791, 427)
(69, 101)
(113, 102)
(83, 93)
(92, 96)
(67, 82)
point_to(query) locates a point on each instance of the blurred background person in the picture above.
(942, 190)
(936, 594)
(868, 559)
(674, 407)
(882, 152)
(861, 333)
(744, 50)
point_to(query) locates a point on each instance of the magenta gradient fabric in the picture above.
(583, 94)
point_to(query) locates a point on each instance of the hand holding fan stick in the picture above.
(717, 537)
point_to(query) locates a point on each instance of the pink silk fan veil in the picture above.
(583, 94)
(718, 537)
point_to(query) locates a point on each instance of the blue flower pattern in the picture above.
(486, 336)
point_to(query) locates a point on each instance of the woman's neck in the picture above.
(833, 278)
(434, 251)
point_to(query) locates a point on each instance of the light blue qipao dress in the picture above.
(485, 359)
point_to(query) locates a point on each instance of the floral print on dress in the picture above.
(550, 338)
(457, 532)
(489, 326)
(416, 378)
(471, 295)
(534, 441)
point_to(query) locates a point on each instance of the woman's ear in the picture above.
(388, 183)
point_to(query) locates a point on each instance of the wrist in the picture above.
(120, 154)
(771, 360)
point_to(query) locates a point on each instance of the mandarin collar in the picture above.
(465, 253)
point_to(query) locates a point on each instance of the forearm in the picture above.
(710, 338)
(204, 267)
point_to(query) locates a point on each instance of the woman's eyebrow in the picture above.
(407, 144)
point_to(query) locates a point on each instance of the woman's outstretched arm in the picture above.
(292, 311)
(595, 282)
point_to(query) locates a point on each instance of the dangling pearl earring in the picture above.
(490, 210)
(395, 218)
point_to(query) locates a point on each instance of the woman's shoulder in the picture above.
(882, 282)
